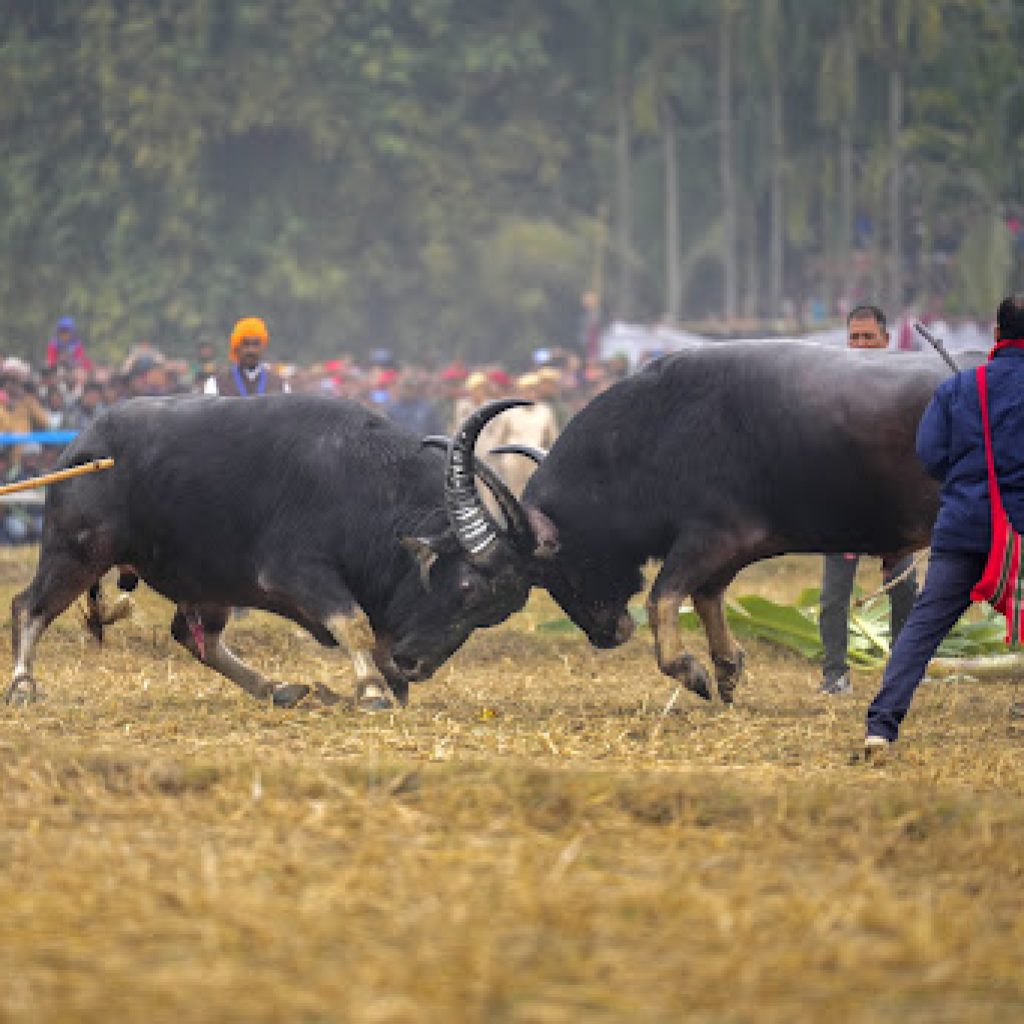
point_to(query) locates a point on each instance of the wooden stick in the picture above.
(937, 345)
(56, 477)
(1000, 667)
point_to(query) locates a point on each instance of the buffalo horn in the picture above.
(537, 454)
(472, 523)
(518, 524)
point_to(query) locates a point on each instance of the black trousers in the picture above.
(836, 592)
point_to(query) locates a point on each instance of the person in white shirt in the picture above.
(532, 425)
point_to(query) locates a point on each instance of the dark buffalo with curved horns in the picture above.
(309, 507)
(714, 458)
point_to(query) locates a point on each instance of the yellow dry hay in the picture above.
(532, 840)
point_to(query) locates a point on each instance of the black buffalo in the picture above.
(312, 508)
(717, 457)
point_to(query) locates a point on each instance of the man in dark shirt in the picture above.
(865, 329)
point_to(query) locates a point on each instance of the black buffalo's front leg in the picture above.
(374, 689)
(726, 654)
(673, 659)
(703, 574)
(396, 681)
(317, 594)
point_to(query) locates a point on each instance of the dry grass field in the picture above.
(532, 840)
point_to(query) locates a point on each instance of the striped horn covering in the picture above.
(472, 523)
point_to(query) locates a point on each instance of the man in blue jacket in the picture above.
(951, 444)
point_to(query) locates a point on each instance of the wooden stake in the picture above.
(53, 478)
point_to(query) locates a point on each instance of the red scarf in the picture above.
(1002, 581)
(1005, 343)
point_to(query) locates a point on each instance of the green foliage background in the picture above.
(433, 175)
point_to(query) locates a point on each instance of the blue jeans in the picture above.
(945, 597)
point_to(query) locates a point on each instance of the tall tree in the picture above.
(623, 166)
(771, 33)
(425, 175)
(727, 168)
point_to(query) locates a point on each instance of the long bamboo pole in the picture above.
(56, 477)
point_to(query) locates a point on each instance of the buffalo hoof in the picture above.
(399, 689)
(287, 695)
(698, 682)
(691, 673)
(372, 696)
(122, 608)
(728, 674)
(326, 695)
(22, 692)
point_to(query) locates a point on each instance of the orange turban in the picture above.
(248, 327)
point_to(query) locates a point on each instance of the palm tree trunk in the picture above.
(624, 191)
(775, 246)
(750, 306)
(726, 168)
(845, 234)
(673, 279)
(895, 211)
(847, 115)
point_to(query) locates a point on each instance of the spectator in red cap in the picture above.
(501, 381)
(449, 387)
(455, 371)
(385, 380)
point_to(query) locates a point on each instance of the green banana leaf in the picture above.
(795, 628)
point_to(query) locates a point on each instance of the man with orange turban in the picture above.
(248, 375)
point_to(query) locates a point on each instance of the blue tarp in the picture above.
(61, 437)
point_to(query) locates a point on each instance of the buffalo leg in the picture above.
(673, 659)
(375, 683)
(192, 623)
(726, 653)
(704, 575)
(319, 595)
(397, 683)
(59, 580)
(99, 613)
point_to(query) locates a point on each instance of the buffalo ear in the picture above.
(545, 534)
(423, 550)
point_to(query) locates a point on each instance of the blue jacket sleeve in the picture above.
(933, 433)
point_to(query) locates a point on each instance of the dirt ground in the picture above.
(532, 840)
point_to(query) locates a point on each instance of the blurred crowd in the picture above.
(67, 389)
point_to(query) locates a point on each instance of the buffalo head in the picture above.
(593, 590)
(469, 571)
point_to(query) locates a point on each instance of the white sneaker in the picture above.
(876, 748)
